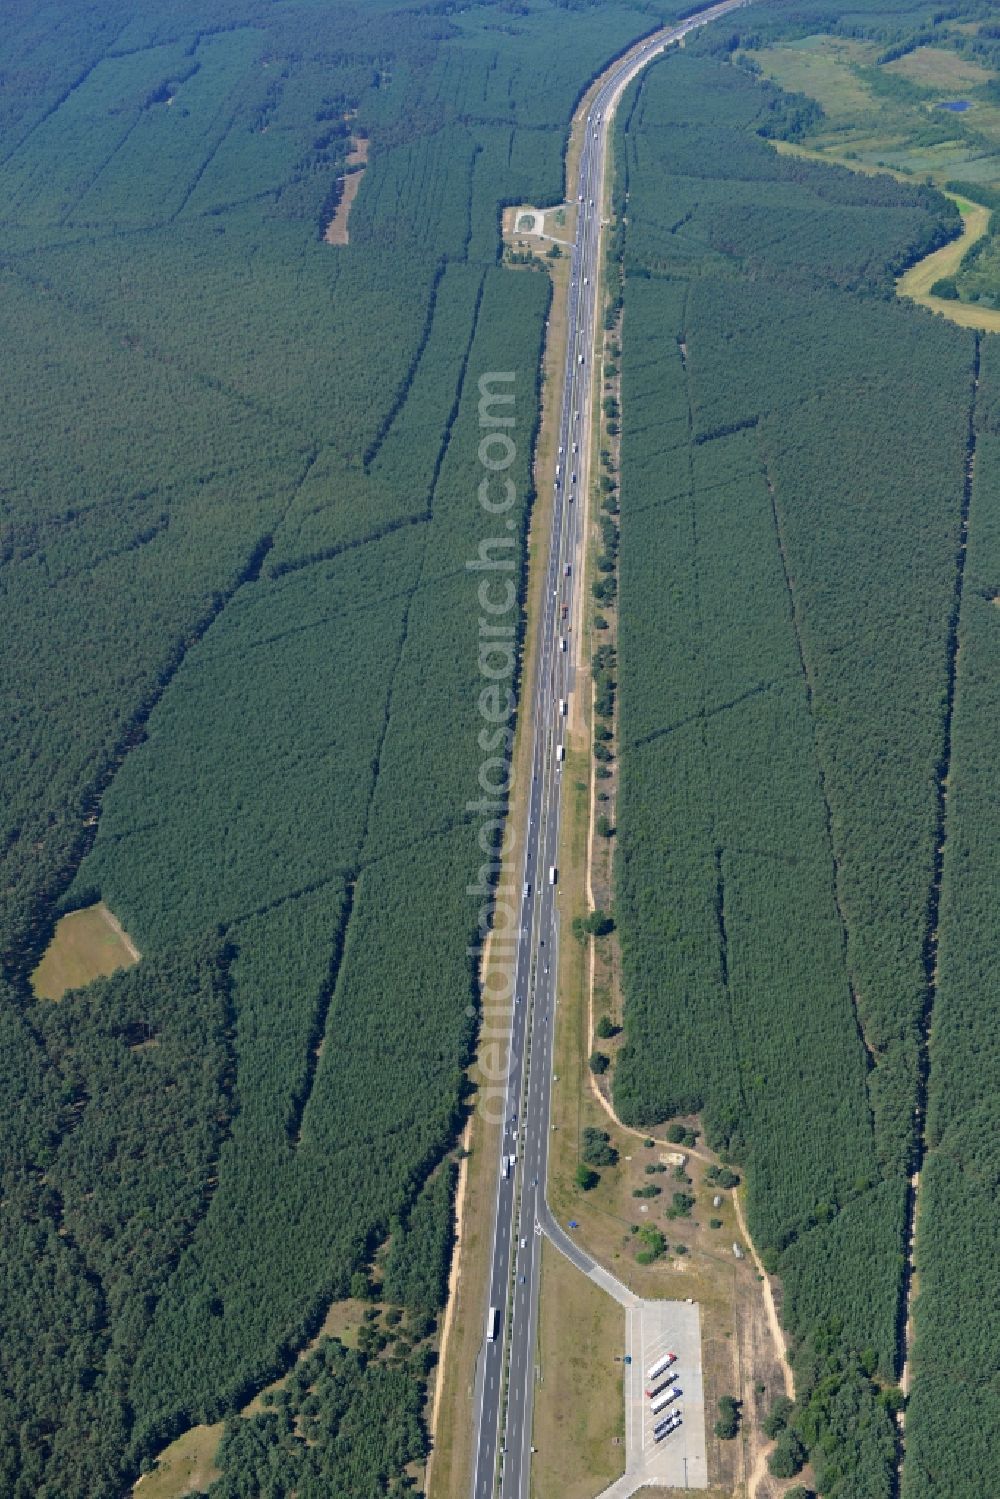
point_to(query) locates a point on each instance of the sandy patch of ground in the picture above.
(336, 230)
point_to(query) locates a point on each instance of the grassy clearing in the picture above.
(881, 130)
(820, 66)
(187, 1466)
(940, 68)
(579, 1424)
(86, 945)
(919, 279)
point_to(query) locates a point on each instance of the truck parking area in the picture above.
(664, 1327)
(678, 1460)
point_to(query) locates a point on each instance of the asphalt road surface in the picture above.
(503, 1427)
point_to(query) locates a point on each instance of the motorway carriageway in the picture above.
(503, 1426)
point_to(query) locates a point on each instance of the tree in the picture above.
(728, 1424)
(599, 1062)
(604, 827)
(586, 1179)
(654, 1245)
(598, 1149)
(597, 924)
(721, 1176)
(606, 1028)
(788, 1456)
(777, 1418)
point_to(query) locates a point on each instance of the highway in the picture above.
(503, 1427)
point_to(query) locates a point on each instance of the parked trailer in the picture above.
(660, 1385)
(664, 1430)
(660, 1367)
(662, 1401)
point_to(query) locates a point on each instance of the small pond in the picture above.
(957, 106)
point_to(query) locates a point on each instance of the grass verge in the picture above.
(579, 1426)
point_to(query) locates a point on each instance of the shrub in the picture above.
(586, 1179)
(788, 1456)
(777, 1418)
(598, 1149)
(728, 1424)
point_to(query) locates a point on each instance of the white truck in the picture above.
(492, 1324)
(552, 874)
(660, 1367)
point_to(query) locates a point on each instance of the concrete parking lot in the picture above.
(679, 1461)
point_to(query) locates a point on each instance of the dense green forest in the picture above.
(791, 565)
(955, 1407)
(240, 690)
(341, 1416)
